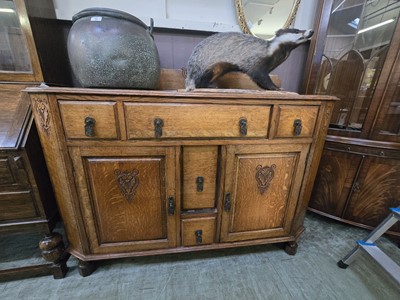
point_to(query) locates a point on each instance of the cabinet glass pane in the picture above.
(14, 55)
(391, 120)
(358, 36)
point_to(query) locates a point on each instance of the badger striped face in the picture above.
(295, 36)
(289, 37)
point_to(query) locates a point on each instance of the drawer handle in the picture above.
(171, 206)
(298, 126)
(199, 236)
(227, 204)
(356, 187)
(243, 126)
(89, 126)
(158, 125)
(200, 183)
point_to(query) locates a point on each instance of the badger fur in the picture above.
(233, 51)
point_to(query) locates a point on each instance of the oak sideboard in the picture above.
(151, 172)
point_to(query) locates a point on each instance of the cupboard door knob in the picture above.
(171, 206)
(243, 126)
(298, 126)
(199, 236)
(356, 187)
(89, 126)
(200, 183)
(158, 125)
(227, 204)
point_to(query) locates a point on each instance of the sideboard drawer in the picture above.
(198, 231)
(89, 119)
(17, 205)
(175, 120)
(296, 121)
(199, 176)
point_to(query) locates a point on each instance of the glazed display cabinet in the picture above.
(152, 172)
(355, 56)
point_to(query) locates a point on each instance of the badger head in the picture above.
(293, 36)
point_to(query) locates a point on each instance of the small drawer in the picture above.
(176, 120)
(296, 121)
(6, 171)
(17, 205)
(198, 231)
(89, 119)
(199, 176)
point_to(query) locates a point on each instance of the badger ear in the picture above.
(279, 32)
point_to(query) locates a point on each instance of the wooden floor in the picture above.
(261, 272)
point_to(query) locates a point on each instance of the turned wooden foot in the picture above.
(53, 250)
(86, 267)
(291, 247)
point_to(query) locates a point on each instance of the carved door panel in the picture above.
(334, 181)
(376, 190)
(262, 185)
(128, 197)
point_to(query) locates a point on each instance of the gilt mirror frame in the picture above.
(243, 22)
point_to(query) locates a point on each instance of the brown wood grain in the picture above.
(74, 113)
(195, 120)
(288, 114)
(199, 162)
(203, 140)
(190, 226)
(335, 179)
(255, 214)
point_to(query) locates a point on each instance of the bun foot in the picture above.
(86, 268)
(291, 248)
(53, 250)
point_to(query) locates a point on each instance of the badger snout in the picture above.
(308, 33)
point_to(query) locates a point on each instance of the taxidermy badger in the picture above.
(233, 51)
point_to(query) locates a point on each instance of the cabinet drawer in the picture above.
(84, 119)
(296, 121)
(199, 177)
(196, 120)
(17, 205)
(198, 231)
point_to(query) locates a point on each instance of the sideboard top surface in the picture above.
(223, 94)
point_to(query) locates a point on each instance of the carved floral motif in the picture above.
(128, 182)
(42, 111)
(264, 177)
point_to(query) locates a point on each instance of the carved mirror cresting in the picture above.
(263, 18)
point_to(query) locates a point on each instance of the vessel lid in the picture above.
(107, 12)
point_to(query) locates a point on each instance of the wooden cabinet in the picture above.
(167, 171)
(27, 202)
(355, 56)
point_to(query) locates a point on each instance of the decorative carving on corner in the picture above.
(327, 119)
(42, 111)
(128, 182)
(264, 177)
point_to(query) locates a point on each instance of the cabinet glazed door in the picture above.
(128, 197)
(262, 185)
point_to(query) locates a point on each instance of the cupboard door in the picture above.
(128, 197)
(200, 165)
(376, 190)
(262, 185)
(334, 181)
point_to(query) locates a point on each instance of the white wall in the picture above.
(207, 15)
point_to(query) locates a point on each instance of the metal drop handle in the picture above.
(89, 126)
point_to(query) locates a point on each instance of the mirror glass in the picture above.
(263, 18)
